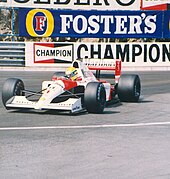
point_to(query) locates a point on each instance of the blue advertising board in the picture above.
(166, 24)
(90, 24)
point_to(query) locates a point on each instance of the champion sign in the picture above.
(99, 24)
(102, 54)
(53, 53)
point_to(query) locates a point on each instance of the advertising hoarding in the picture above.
(131, 54)
(51, 53)
(75, 4)
(155, 4)
(162, 7)
(90, 24)
(148, 3)
(166, 24)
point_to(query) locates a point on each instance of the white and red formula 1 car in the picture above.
(84, 93)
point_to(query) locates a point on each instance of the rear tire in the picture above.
(95, 97)
(12, 87)
(129, 88)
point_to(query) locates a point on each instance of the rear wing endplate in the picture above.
(104, 64)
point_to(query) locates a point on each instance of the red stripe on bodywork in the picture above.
(69, 84)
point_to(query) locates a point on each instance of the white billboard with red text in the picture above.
(154, 4)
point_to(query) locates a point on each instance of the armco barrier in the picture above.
(12, 54)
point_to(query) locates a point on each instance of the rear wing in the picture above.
(104, 64)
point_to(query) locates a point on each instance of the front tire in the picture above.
(12, 87)
(129, 88)
(95, 97)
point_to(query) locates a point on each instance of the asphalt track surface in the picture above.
(128, 141)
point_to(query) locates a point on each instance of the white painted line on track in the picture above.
(85, 126)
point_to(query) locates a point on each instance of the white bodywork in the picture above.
(72, 104)
(52, 89)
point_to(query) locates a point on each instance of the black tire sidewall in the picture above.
(12, 87)
(129, 88)
(95, 97)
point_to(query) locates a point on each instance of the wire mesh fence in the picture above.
(9, 24)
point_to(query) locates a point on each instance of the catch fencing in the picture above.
(8, 24)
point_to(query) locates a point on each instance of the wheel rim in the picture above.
(102, 98)
(18, 89)
(137, 89)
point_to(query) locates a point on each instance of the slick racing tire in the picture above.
(95, 97)
(129, 88)
(12, 87)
